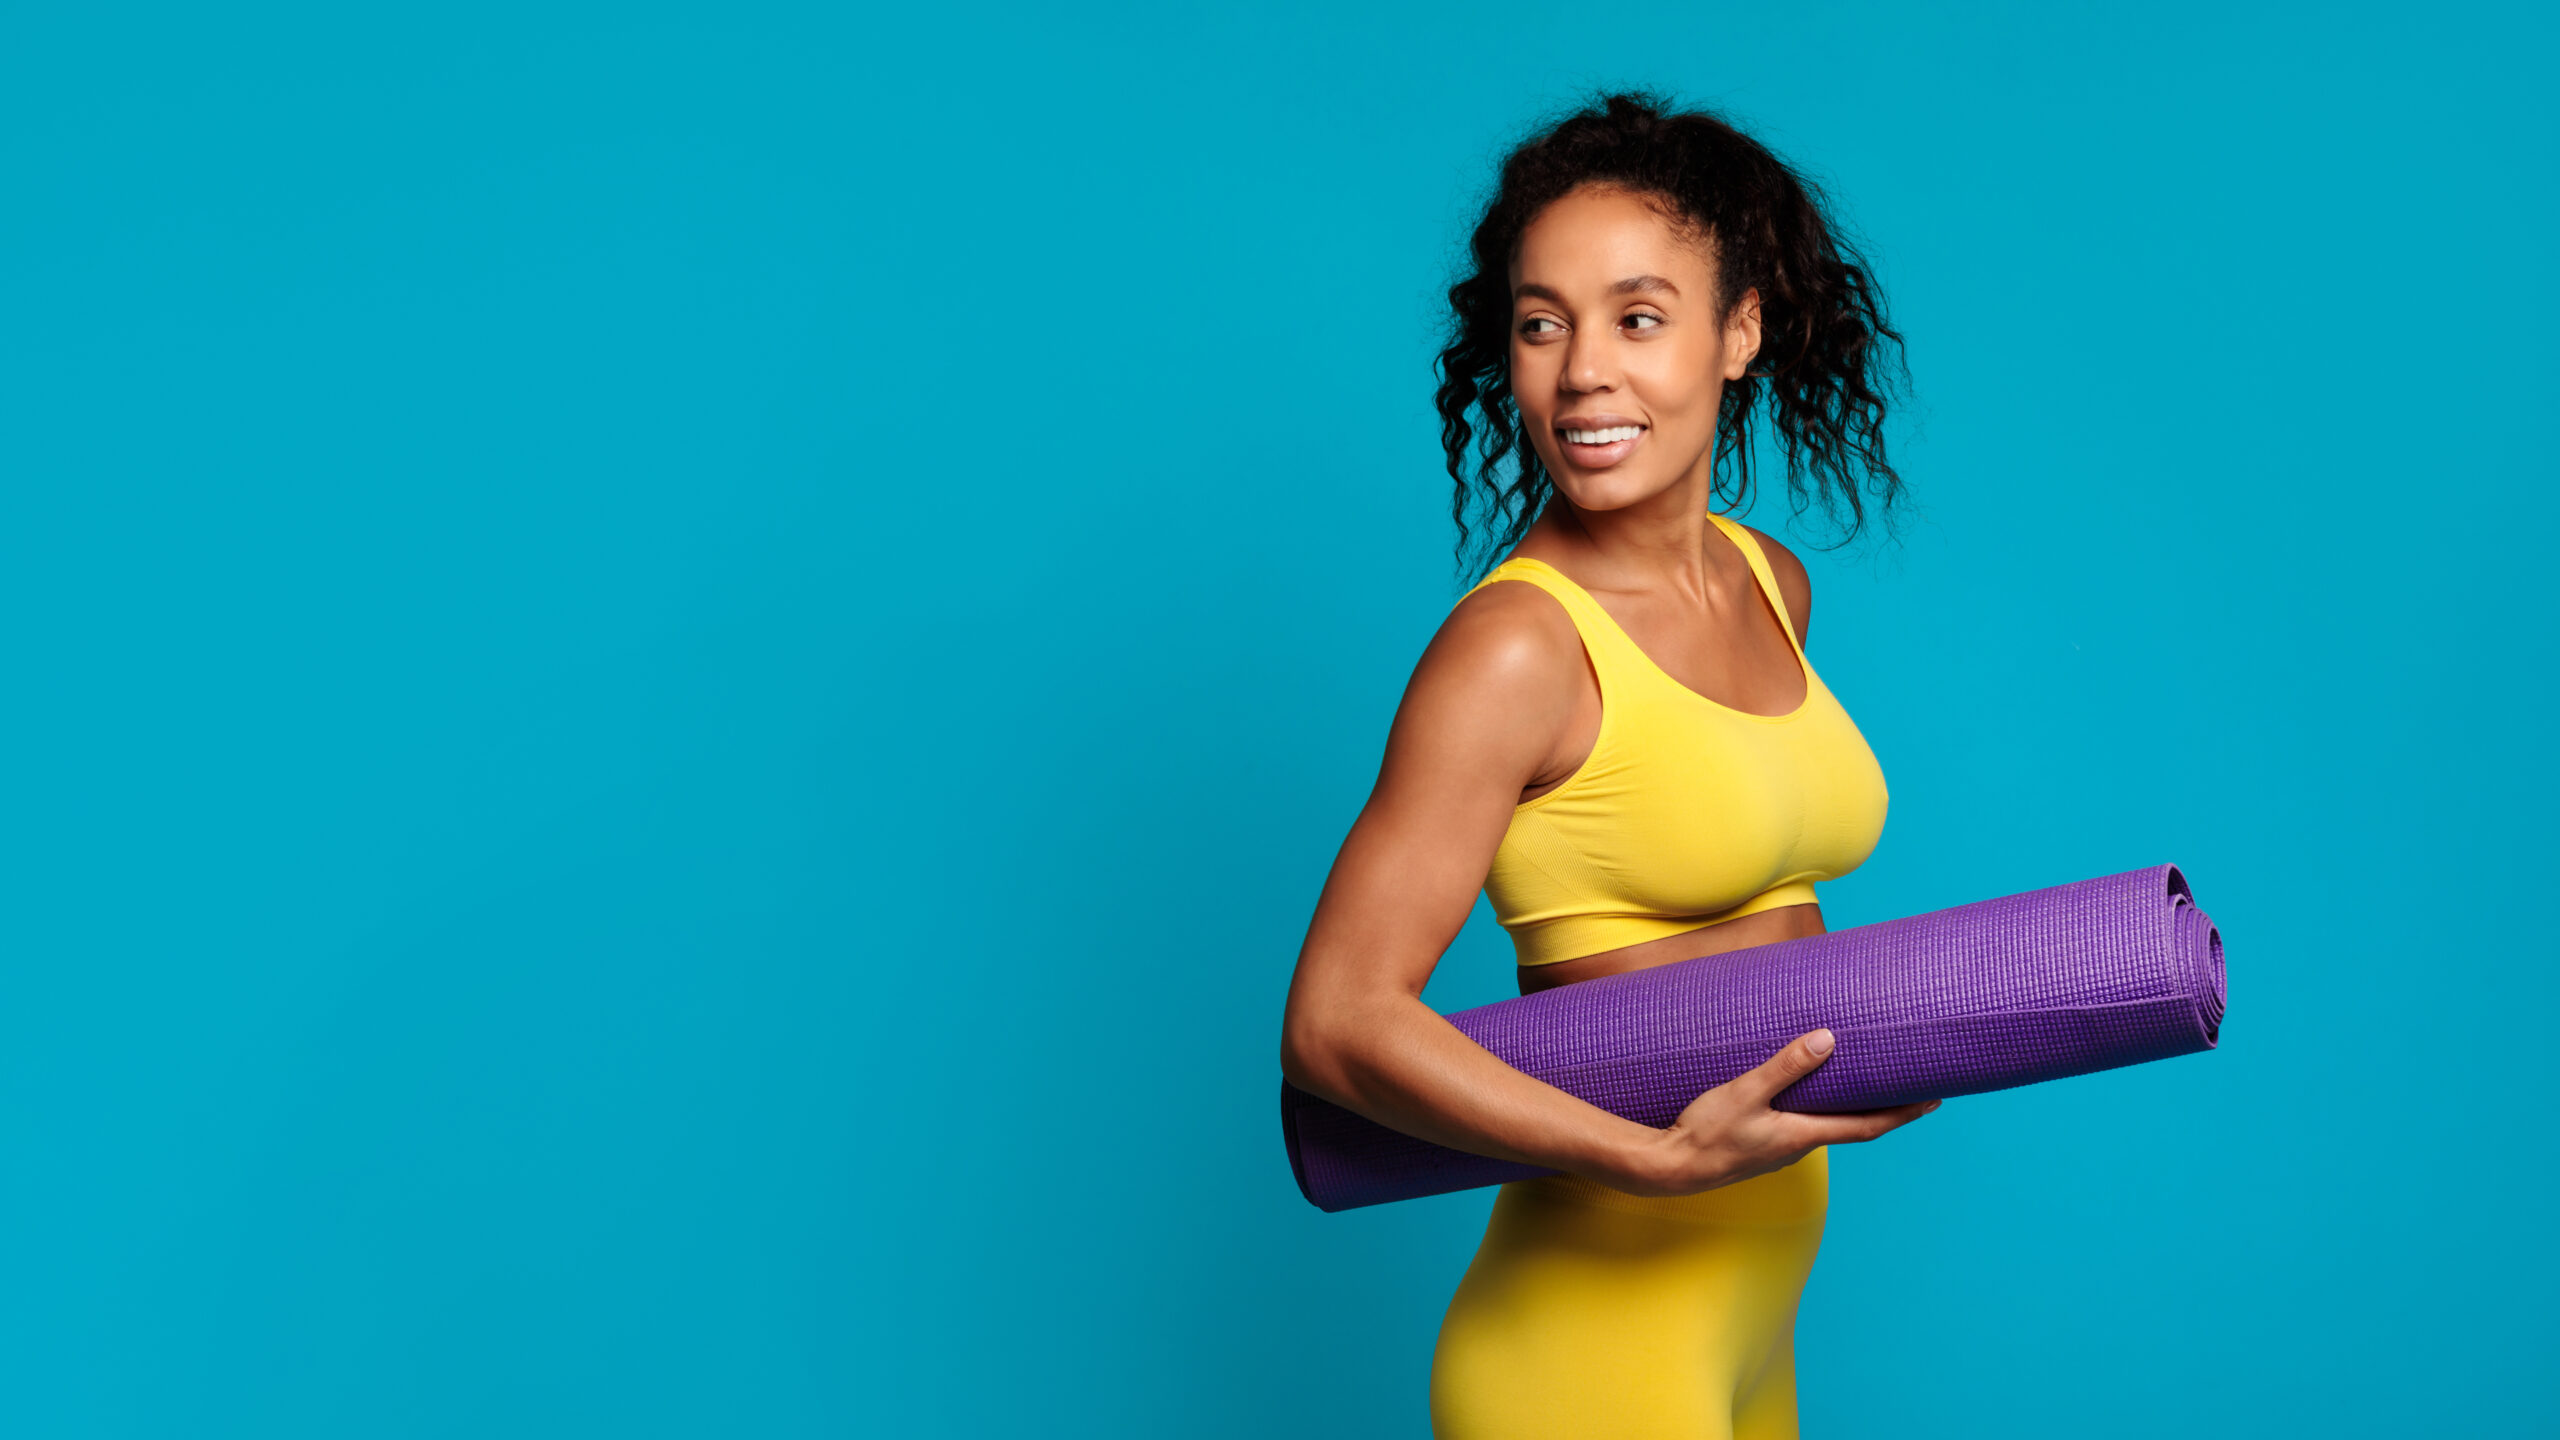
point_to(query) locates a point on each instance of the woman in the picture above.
(1617, 736)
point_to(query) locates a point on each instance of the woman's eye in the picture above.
(1529, 326)
(1651, 322)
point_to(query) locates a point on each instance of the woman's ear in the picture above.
(1742, 335)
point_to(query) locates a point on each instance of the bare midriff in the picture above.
(1765, 927)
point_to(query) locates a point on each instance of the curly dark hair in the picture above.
(1828, 361)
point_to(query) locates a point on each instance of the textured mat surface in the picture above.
(2054, 982)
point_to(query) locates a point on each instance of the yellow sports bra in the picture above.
(1686, 813)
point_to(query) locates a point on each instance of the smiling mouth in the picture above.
(1599, 447)
(1610, 436)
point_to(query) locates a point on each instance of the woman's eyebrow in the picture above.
(1628, 286)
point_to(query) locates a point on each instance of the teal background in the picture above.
(663, 663)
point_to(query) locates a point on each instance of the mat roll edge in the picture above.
(2042, 985)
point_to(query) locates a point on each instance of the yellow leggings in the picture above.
(1592, 1313)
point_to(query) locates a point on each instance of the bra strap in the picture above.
(1602, 639)
(1758, 559)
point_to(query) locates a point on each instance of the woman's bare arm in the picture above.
(1480, 721)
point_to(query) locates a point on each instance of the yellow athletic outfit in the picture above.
(1589, 1312)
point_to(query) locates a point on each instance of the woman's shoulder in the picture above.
(1506, 639)
(1795, 583)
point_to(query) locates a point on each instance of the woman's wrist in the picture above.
(1646, 1161)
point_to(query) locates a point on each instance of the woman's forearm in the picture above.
(1401, 1063)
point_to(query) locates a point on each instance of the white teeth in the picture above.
(1604, 437)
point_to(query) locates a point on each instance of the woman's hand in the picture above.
(1731, 1134)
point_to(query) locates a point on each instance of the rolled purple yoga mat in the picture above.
(2055, 982)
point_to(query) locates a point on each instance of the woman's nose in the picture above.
(1587, 364)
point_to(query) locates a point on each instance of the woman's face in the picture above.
(1618, 357)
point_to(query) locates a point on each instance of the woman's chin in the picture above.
(1614, 489)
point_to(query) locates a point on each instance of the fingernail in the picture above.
(1934, 1104)
(1819, 1042)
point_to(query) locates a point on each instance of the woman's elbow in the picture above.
(1320, 1041)
(1323, 1040)
(1307, 1054)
